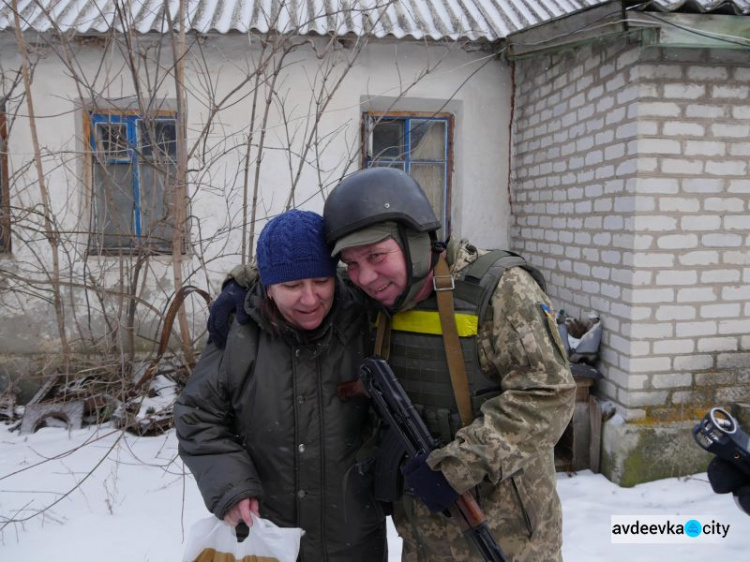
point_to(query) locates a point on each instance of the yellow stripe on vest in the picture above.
(427, 322)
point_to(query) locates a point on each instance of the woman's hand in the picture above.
(241, 512)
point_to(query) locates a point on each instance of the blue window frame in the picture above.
(419, 144)
(133, 172)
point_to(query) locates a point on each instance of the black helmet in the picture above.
(376, 195)
(379, 195)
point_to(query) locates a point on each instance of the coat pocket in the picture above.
(524, 500)
(509, 505)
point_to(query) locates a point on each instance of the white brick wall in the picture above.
(643, 190)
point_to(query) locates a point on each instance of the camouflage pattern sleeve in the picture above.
(519, 347)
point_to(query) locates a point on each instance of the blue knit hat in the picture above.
(292, 246)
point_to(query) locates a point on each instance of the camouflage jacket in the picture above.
(507, 452)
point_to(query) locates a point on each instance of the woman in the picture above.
(259, 423)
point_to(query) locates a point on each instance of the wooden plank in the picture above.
(595, 421)
(582, 27)
(581, 436)
(45, 390)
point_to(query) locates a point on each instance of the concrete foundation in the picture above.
(633, 453)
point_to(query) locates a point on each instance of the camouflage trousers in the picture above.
(525, 533)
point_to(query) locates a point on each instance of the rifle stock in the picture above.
(377, 380)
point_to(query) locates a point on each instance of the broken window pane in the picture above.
(427, 139)
(157, 139)
(112, 140)
(432, 179)
(388, 140)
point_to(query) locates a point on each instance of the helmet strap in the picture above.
(420, 253)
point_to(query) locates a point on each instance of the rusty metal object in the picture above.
(179, 298)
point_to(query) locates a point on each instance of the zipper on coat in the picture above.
(295, 352)
(321, 433)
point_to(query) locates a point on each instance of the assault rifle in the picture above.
(377, 380)
(719, 433)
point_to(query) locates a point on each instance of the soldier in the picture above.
(500, 420)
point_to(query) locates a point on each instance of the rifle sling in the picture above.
(383, 336)
(444, 286)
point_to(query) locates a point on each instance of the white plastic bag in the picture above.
(212, 540)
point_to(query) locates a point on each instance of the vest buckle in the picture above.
(443, 285)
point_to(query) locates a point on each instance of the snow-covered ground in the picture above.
(97, 494)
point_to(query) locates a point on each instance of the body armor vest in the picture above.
(417, 354)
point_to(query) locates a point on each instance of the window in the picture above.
(4, 189)
(419, 144)
(134, 172)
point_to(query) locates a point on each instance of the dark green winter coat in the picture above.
(262, 419)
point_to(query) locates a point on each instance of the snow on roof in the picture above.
(475, 20)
